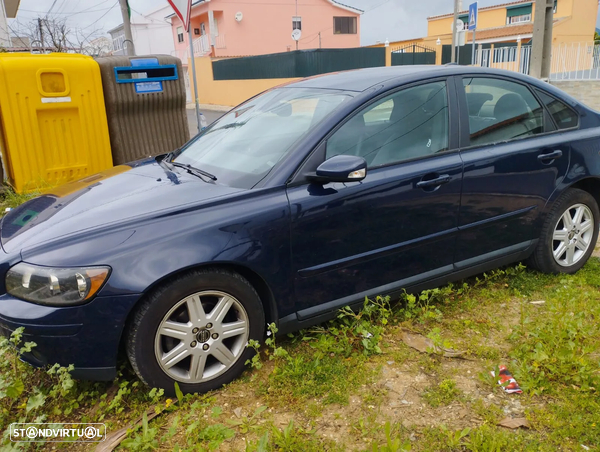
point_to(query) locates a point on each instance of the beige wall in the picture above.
(228, 92)
(587, 91)
(580, 26)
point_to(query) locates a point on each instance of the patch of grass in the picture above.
(429, 363)
(490, 413)
(392, 442)
(559, 344)
(444, 393)
(11, 199)
(442, 439)
(212, 436)
(327, 363)
(571, 417)
(553, 350)
(304, 377)
(488, 438)
(367, 428)
(292, 438)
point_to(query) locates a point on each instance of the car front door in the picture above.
(396, 226)
(512, 165)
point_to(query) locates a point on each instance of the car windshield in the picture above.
(242, 147)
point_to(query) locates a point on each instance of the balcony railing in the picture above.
(201, 46)
(220, 42)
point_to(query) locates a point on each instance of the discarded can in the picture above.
(507, 381)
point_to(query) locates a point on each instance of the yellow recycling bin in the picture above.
(53, 125)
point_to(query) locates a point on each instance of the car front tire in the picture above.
(194, 330)
(569, 234)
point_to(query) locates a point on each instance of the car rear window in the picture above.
(501, 110)
(564, 116)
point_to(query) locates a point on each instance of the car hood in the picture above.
(110, 198)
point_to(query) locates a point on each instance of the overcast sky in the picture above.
(383, 19)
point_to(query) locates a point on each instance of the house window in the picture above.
(296, 23)
(344, 25)
(465, 20)
(202, 29)
(179, 34)
(555, 5)
(118, 42)
(518, 19)
(519, 14)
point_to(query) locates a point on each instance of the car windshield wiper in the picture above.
(195, 171)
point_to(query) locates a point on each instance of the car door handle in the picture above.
(550, 156)
(443, 179)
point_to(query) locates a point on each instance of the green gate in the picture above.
(413, 54)
(463, 53)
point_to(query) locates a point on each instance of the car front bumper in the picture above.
(85, 336)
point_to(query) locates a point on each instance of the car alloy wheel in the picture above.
(572, 235)
(201, 337)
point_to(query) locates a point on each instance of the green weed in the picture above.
(443, 394)
(247, 423)
(392, 444)
(145, 440)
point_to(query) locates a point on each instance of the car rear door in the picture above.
(396, 226)
(514, 159)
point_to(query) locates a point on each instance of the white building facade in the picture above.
(8, 10)
(151, 34)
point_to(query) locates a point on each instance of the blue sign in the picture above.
(148, 87)
(145, 84)
(473, 16)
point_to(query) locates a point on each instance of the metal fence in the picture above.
(570, 61)
(299, 63)
(510, 58)
(575, 61)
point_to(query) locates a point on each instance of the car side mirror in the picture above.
(341, 168)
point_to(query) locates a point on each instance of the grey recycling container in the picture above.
(145, 105)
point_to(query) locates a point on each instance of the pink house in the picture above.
(227, 28)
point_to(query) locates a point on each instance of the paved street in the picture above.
(211, 116)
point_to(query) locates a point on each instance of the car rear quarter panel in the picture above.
(585, 153)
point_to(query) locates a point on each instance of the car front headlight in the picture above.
(55, 286)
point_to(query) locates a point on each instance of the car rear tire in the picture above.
(194, 330)
(569, 234)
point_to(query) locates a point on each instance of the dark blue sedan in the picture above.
(302, 200)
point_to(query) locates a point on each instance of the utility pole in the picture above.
(130, 49)
(41, 28)
(454, 37)
(541, 52)
(193, 77)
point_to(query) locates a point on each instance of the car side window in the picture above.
(500, 110)
(563, 115)
(410, 123)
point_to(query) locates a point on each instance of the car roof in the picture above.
(362, 79)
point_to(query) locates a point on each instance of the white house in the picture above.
(151, 34)
(8, 10)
